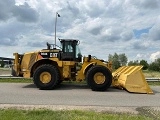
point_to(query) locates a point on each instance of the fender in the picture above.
(87, 67)
(41, 62)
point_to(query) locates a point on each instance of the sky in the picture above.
(103, 26)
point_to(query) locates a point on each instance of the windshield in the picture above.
(68, 47)
(78, 52)
(71, 49)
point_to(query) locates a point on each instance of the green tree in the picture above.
(110, 57)
(117, 60)
(155, 66)
(144, 64)
(135, 62)
(123, 59)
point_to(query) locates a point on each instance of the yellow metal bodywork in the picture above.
(27, 62)
(81, 74)
(66, 69)
(24, 68)
(132, 79)
(16, 64)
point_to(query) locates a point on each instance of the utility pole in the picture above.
(56, 26)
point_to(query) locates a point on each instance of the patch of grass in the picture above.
(8, 69)
(154, 83)
(16, 80)
(14, 114)
(151, 74)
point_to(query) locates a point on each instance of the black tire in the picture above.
(52, 71)
(59, 82)
(99, 70)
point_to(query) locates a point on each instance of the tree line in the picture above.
(119, 60)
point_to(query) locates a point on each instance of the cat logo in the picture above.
(53, 54)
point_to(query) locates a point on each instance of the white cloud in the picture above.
(154, 56)
(154, 31)
(103, 27)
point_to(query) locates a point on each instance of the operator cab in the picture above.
(70, 50)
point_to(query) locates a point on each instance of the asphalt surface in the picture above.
(75, 95)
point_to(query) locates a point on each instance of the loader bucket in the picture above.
(132, 79)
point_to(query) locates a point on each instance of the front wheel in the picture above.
(46, 77)
(99, 78)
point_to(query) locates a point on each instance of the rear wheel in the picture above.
(46, 77)
(99, 78)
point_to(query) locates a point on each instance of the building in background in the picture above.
(6, 62)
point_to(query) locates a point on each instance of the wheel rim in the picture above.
(99, 78)
(45, 77)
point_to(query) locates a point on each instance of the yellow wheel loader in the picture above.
(49, 67)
